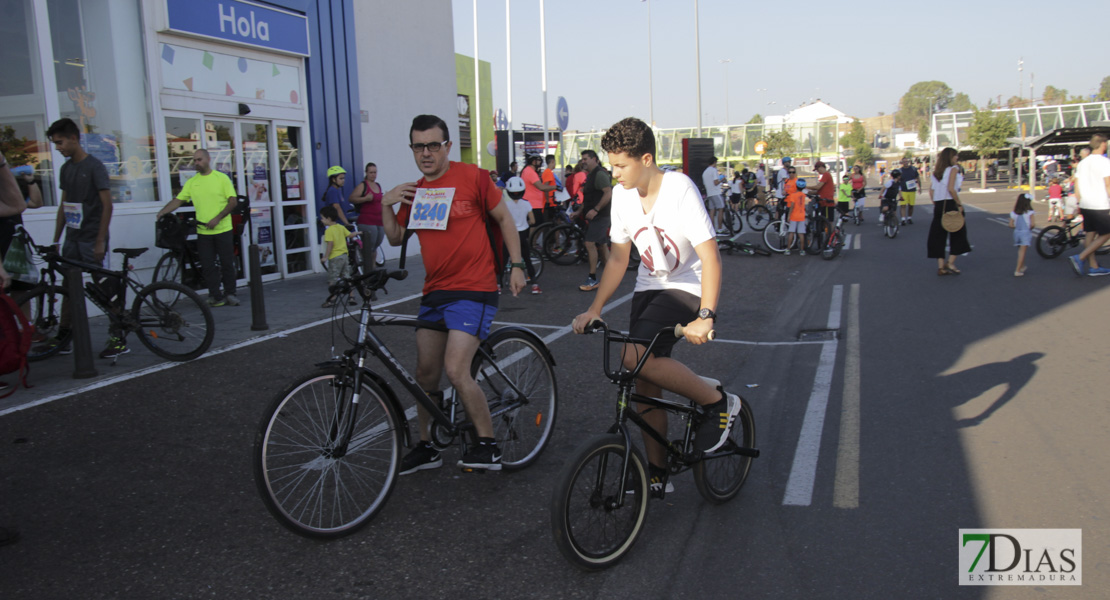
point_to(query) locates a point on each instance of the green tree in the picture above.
(864, 155)
(988, 133)
(855, 136)
(1016, 102)
(908, 155)
(960, 102)
(923, 133)
(756, 119)
(1104, 89)
(922, 99)
(1053, 95)
(780, 143)
(15, 148)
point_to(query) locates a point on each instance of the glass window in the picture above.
(22, 102)
(182, 140)
(100, 74)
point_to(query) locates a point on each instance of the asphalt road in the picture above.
(941, 403)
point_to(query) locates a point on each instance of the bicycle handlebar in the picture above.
(376, 278)
(610, 334)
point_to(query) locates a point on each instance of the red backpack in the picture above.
(15, 340)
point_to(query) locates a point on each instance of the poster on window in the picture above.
(104, 147)
(292, 185)
(260, 185)
(262, 224)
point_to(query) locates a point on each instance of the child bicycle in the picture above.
(328, 450)
(601, 497)
(182, 331)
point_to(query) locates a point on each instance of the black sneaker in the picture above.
(485, 456)
(115, 347)
(422, 457)
(714, 428)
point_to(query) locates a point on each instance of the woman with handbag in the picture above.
(949, 227)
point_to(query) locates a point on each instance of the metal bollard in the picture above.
(258, 303)
(83, 367)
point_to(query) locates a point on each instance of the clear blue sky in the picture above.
(597, 54)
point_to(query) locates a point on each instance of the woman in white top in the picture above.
(945, 193)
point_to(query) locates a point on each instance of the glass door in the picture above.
(297, 241)
(258, 181)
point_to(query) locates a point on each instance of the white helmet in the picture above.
(514, 184)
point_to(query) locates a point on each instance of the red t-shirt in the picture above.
(828, 191)
(459, 258)
(579, 181)
(532, 193)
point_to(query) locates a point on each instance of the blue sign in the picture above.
(500, 120)
(562, 115)
(241, 23)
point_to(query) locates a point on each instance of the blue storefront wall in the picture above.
(331, 75)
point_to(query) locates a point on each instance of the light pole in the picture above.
(697, 60)
(651, 101)
(727, 146)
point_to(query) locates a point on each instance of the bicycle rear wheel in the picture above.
(720, 475)
(834, 241)
(734, 224)
(759, 217)
(181, 332)
(890, 225)
(45, 305)
(563, 244)
(522, 396)
(590, 529)
(309, 483)
(168, 269)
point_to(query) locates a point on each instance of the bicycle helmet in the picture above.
(336, 170)
(787, 159)
(801, 183)
(515, 187)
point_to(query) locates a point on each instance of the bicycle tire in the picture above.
(522, 430)
(295, 441)
(834, 243)
(732, 221)
(815, 240)
(589, 529)
(45, 305)
(719, 479)
(564, 245)
(1052, 241)
(890, 227)
(168, 269)
(539, 233)
(774, 237)
(157, 323)
(759, 217)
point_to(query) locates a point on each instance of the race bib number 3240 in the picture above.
(431, 208)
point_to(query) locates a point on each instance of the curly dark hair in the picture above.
(630, 136)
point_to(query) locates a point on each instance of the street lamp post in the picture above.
(727, 146)
(651, 92)
(697, 60)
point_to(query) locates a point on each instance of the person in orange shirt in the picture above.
(535, 190)
(549, 179)
(796, 204)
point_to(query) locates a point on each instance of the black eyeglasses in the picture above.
(791, 172)
(431, 146)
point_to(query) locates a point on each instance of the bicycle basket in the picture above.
(170, 233)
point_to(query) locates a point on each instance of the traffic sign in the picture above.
(562, 113)
(761, 147)
(500, 120)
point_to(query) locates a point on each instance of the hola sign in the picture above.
(240, 22)
(761, 147)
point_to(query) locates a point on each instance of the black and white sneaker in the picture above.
(422, 457)
(657, 486)
(485, 456)
(714, 429)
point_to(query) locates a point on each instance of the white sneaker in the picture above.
(787, 253)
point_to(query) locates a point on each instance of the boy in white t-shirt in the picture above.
(521, 211)
(678, 282)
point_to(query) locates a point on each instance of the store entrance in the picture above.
(263, 158)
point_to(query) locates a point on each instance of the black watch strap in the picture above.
(706, 313)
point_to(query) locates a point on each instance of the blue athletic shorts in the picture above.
(467, 316)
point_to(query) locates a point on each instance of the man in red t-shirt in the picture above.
(448, 209)
(825, 191)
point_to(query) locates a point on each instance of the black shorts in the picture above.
(597, 231)
(1096, 221)
(653, 310)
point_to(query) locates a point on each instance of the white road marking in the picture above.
(803, 473)
(846, 486)
(856, 241)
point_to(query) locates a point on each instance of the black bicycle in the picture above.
(600, 499)
(328, 450)
(181, 263)
(1054, 239)
(179, 332)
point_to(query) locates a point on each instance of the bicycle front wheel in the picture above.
(44, 303)
(180, 332)
(322, 470)
(759, 217)
(720, 475)
(563, 244)
(1051, 242)
(732, 221)
(519, 384)
(168, 269)
(890, 226)
(596, 514)
(774, 236)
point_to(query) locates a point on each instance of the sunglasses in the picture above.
(431, 146)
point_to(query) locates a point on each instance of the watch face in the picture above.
(705, 313)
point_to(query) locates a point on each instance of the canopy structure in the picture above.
(1062, 140)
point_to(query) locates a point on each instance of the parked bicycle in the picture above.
(180, 332)
(328, 450)
(1055, 239)
(829, 235)
(757, 215)
(601, 496)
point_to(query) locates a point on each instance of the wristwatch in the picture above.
(706, 313)
(518, 265)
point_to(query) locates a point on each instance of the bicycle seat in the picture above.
(131, 252)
